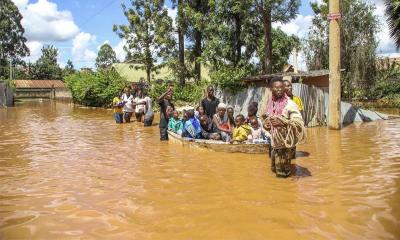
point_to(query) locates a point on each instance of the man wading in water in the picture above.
(286, 126)
(165, 102)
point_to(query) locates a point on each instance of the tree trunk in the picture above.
(148, 71)
(197, 54)
(181, 43)
(267, 40)
(197, 46)
(238, 32)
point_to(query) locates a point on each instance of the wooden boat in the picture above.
(219, 146)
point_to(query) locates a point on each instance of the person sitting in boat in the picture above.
(175, 124)
(286, 127)
(231, 118)
(252, 111)
(191, 127)
(221, 120)
(258, 133)
(199, 112)
(208, 129)
(242, 130)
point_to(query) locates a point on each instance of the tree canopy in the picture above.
(46, 67)
(393, 13)
(12, 40)
(148, 34)
(273, 11)
(358, 43)
(105, 57)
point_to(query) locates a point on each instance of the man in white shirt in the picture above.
(127, 98)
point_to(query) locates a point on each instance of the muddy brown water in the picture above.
(71, 173)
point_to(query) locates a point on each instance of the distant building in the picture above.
(53, 89)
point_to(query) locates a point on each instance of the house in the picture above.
(53, 89)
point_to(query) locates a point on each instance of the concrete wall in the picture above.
(6, 96)
(33, 93)
(57, 94)
(63, 94)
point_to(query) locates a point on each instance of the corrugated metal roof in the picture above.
(39, 84)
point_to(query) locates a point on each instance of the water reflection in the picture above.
(68, 172)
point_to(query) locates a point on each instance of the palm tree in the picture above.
(393, 13)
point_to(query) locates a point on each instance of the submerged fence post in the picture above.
(334, 118)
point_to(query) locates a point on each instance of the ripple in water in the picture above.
(68, 172)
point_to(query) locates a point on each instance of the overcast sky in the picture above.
(79, 27)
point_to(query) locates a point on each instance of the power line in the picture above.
(96, 13)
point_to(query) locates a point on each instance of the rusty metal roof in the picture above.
(39, 84)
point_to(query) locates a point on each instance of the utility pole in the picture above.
(334, 111)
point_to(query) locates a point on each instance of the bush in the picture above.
(387, 87)
(95, 89)
(190, 93)
(230, 78)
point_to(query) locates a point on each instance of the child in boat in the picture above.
(175, 124)
(231, 118)
(208, 129)
(199, 112)
(252, 110)
(241, 131)
(221, 120)
(191, 127)
(258, 133)
(117, 106)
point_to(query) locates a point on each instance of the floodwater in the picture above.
(71, 173)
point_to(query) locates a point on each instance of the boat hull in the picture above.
(219, 146)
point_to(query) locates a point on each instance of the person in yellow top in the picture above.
(296, 99)
(241, 131)
(117, 106)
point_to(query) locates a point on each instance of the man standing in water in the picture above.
(286, 126)
(296, 99)
(210, 103)
(165, 102)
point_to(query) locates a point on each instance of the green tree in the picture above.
(181, 30)
(231, 26)
(359, 27)
(234, 43)
(196, 16)
(12, 40)
(149, 33)
(273, 11)
(68, 69)
(46, 67)
(105, 57)
(393, 13)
